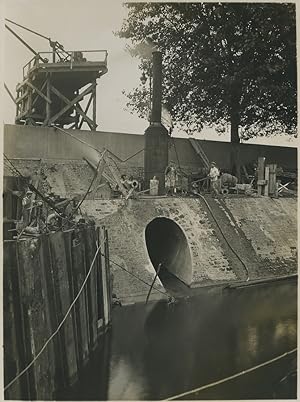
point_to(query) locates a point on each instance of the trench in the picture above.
(167, 244)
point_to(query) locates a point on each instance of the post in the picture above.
(266, 188)
(104, 277)
(272, 179)
(260, 174)
(94, 105)
(48, 107)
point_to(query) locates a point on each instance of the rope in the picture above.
(59, 326)
(213, 384)
(229, 245)
(27, 29)
(77, 139)
(10, 94)
(137, 277)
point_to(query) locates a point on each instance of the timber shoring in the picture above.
(42, 277)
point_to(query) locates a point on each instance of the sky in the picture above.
(89, 25)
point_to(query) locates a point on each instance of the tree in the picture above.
(223, 63)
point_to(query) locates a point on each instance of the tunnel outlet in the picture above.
(167, 244)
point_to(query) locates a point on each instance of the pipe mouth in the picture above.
(167, 245)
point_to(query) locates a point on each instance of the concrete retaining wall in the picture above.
(47, 143)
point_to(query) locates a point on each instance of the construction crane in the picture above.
(54, 85)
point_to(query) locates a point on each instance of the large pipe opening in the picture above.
(167, 244)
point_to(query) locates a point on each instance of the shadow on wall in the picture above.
(167, 244)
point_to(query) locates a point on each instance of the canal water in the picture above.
(157, 351)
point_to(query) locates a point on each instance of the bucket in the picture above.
(154, 186)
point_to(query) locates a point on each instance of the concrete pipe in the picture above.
(167, 244)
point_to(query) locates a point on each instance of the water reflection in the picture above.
(158, 350)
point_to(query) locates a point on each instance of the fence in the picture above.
(57, 297)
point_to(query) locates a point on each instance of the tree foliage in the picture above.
(223, 63)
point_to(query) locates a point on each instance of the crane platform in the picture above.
(54, 85)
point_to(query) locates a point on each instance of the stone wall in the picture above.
(251, 227)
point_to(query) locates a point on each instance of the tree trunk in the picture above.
(234, 135)
(234, 118)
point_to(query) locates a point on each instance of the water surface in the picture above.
(156, 351)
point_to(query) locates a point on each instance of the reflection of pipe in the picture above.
(152, 284)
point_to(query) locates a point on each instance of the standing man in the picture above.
(214, 174)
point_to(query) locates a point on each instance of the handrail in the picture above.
(69, 57)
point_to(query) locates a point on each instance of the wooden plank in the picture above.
(90, 122)
(94, 105)
(70, 103)
(63, 302)
(78, 263)
(90, 248)
(104, 278)
(69, 265)
(108, 275)
(272, 178)
(260, 173)
(86, 110)
(59, 375)
(44, 259)
(37, 329)
(46, 98)
(25, 94)
(48, 107)
(37, 97)
(13, 331)
(266, 188)
(100, 294)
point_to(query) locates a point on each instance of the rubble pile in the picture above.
(40, 208)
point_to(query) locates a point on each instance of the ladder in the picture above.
(199, 151)
(114, 178)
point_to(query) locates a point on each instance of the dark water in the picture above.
(159, 350)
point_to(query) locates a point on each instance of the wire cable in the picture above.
(137, 277)
(59, 326)
(96, 149)
(229, 245)
(27, 29)
(213, 384)
(91, 183)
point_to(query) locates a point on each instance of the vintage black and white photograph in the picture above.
(149, 200)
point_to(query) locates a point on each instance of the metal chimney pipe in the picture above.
(156, 135)
(157, 87)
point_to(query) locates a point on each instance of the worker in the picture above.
(228, 180)
(214, 174)
(170, 179)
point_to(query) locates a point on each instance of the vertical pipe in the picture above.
(156, 135)
(157, 87)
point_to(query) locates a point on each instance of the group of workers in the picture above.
(217, 179)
